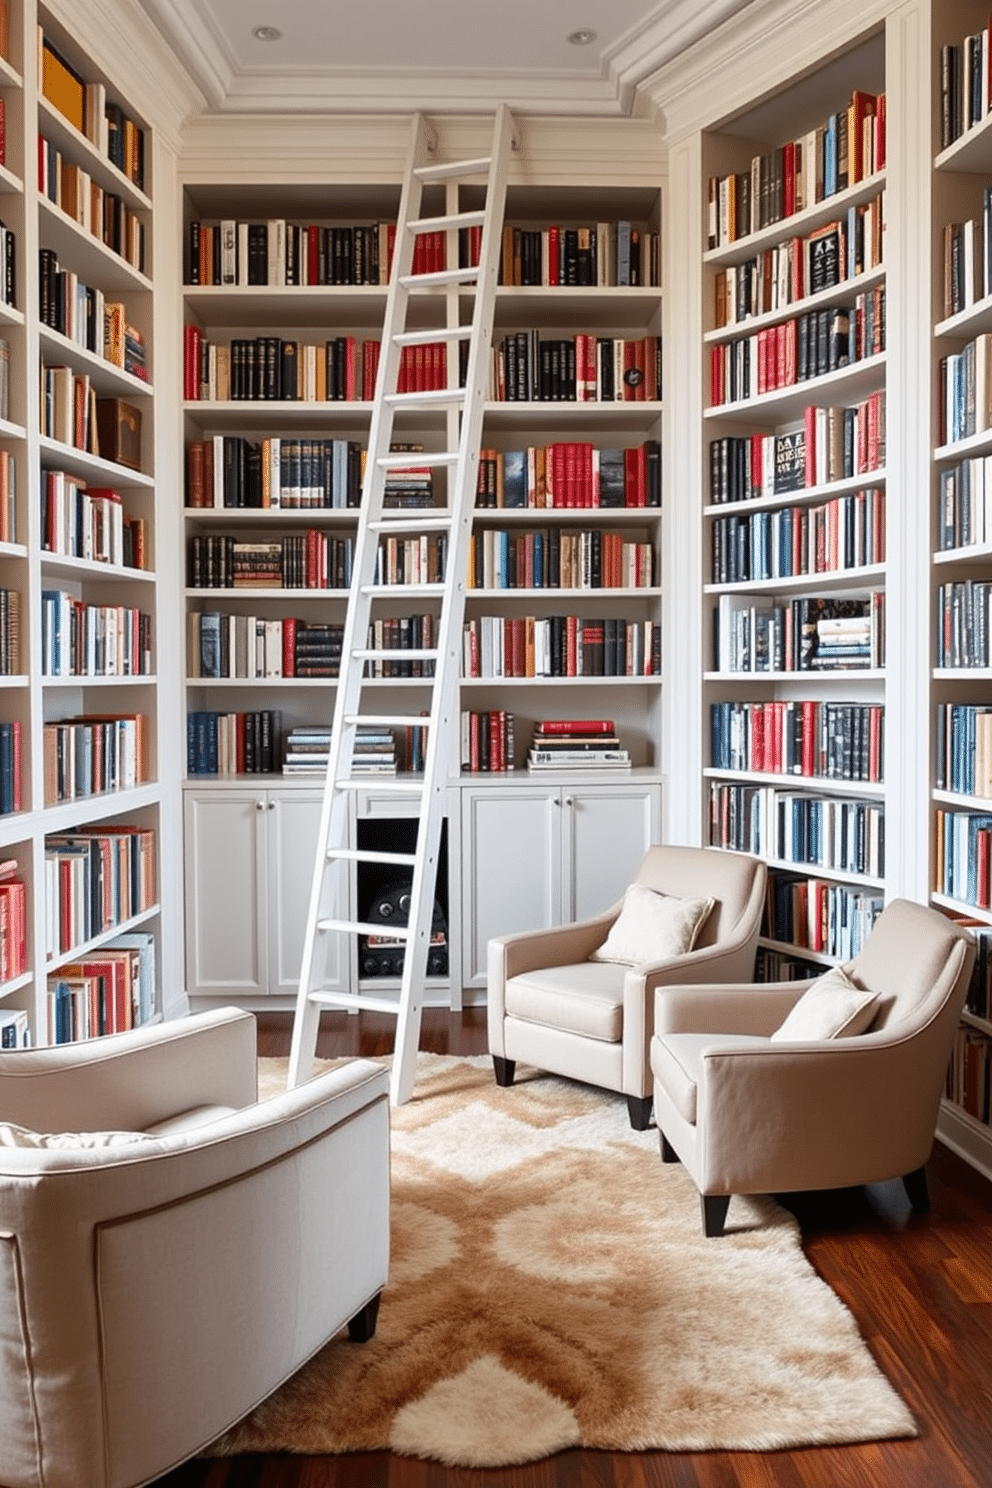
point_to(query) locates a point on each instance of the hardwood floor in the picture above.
(919, 1287)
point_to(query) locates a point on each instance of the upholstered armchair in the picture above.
(163, 1277)
(830, 1083)
(578, 999)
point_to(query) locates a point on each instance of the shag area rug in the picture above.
(550, 1287)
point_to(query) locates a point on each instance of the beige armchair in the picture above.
(159, 1284)
(549, 1005)
(748, 1113)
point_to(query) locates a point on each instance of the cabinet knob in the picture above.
(259, 805)
(569, 801)
(272, 805)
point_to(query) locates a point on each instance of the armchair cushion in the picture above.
(835, 1005)
(586, 999)
(12, 1135)
(652, 927)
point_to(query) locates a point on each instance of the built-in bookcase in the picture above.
(563, 612)
(961, 798)
(80, 804)
(794, 502)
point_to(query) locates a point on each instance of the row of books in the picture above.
(108, 991)
(964, 624)
(527, 366)
(228, 470)
(969, 1073)
(826, 740)
(847, 532)
(560, 646)
(10, 633)
(278, 252)
(487, 741)
(964, 84)
(846, 148)
(342, 369)
(556, 559)
(92, 640)
(403, 634)
(774, 964)
(964, 402)
(102, 213)
(799, 349)
(250, 646)
(96, 878)
(82, 313)
(90, 522)
(779, 276)
(297, 560)
(85, 104)
(965, 510)
(963, 856)
(412, 560)
(830, 443)
(11, 798)
(234, 743)
(570, 474)
(967, 266)
(809, 634)
(588, 744)
(979, 998)
(13, 946)
(598, 254)
(90, 754)
(829, 918)
(963, 753)
(8, 265)
(793, 827)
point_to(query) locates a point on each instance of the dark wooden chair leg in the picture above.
(668, 1153)
(715, 1208)
(917, 1193)
(639, 1111)
(503, 1070)
(362, 1326)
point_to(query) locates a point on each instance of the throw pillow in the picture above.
(833, 1007)
(652, 927)
(21, 1136)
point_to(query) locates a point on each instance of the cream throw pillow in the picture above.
(833, 1007)
(652, 927)
(21, 1136)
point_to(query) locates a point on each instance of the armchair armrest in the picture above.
(560, 945)
(130, 1081)
(751, 1008)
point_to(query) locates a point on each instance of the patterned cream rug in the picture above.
(551, 1287)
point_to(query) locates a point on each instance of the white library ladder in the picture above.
(460, 402)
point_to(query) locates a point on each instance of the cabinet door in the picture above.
(606, 831)
(511, 852)
(226, 952)
(293, 820)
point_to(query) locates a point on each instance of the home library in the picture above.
(80, 799)
(275, 460)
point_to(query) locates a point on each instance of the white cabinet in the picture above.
(541, 854)
(249, 865)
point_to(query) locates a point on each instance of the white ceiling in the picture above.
(379, 55)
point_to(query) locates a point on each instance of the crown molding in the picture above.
(773, 40)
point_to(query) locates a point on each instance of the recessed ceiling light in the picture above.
(582, 37)
(267, 33)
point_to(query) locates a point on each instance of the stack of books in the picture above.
(374, 753)
(577, 744)
(307, 749)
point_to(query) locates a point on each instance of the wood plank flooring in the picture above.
(919, 1287)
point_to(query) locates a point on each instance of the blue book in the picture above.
(515, 478)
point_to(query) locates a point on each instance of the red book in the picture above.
(191, 362)
(554, 249)
(577, 726)
(313, 254)
(289, 646)
(983, 890)
(789, 178)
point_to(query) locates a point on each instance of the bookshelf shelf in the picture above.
(838, 294)
(853, 579)
(819, 784)
(845, 385)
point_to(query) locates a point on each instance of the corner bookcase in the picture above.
(566, 541)
(80, 800)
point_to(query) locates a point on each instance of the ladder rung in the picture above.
(361, 1002)
(428, 398)
(389, 720)
(423, 591)
(381, 783)
(446, 169)
(362, 927)
(434, 333)
(451, 219)
(440, 278)
(407, 520)
(402, 462)
(396, 653)
(370, 855)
